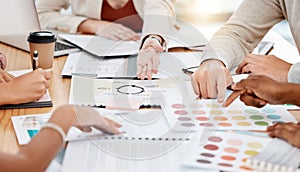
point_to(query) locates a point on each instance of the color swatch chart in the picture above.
(26, 127)
(210, 114)
(225, 151)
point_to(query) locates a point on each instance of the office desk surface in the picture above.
(59, 91)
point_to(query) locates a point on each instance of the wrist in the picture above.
(90, 26)
(64, 117)
(291, 93)
(157, 38)
(213, 60)
(7, 96)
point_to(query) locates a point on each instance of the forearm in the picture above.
(91, 26)
(51, 18)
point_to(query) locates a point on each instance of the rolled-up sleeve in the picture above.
(243, 31)
(50, 16)
(294, 74)
(159, 17)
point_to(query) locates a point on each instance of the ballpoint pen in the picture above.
(35, 60)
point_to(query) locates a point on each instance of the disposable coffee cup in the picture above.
(42, 42)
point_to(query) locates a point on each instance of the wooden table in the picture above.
(59, 91)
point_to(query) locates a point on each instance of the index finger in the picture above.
(232, 97)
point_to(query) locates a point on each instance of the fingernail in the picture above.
(220, 100)
(262, 103)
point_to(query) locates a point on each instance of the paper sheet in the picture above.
(101, 46)
(85, 64)
(225, 151)
(104, 47)
(287, 156)
(27, 126)
(118, 156)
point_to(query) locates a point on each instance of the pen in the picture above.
(35, 60)
(124, 77)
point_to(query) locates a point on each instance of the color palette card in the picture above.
(225, 151)
(211, 115)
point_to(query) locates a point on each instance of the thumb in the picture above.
(237, 86)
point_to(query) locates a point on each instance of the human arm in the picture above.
(259, 90)
(37, 155)
(51, 18)
(241, 34)
(25, 88)
(159, 19)
(287, 131)
(148, 59)
(109, 30)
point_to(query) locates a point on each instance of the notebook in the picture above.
(20, 19)
(45, 101)
(271, 159)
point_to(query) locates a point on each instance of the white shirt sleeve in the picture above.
(294, 73)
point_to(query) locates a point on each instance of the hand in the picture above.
(287, 131)
(269, 65)
(5, 76)
(83, 118)
(2, 61)
(257, 91)
(108, 30)
(148, 59)
(211, 80)
(88, 117)
(28, 87)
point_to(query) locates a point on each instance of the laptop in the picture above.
(17, 19)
